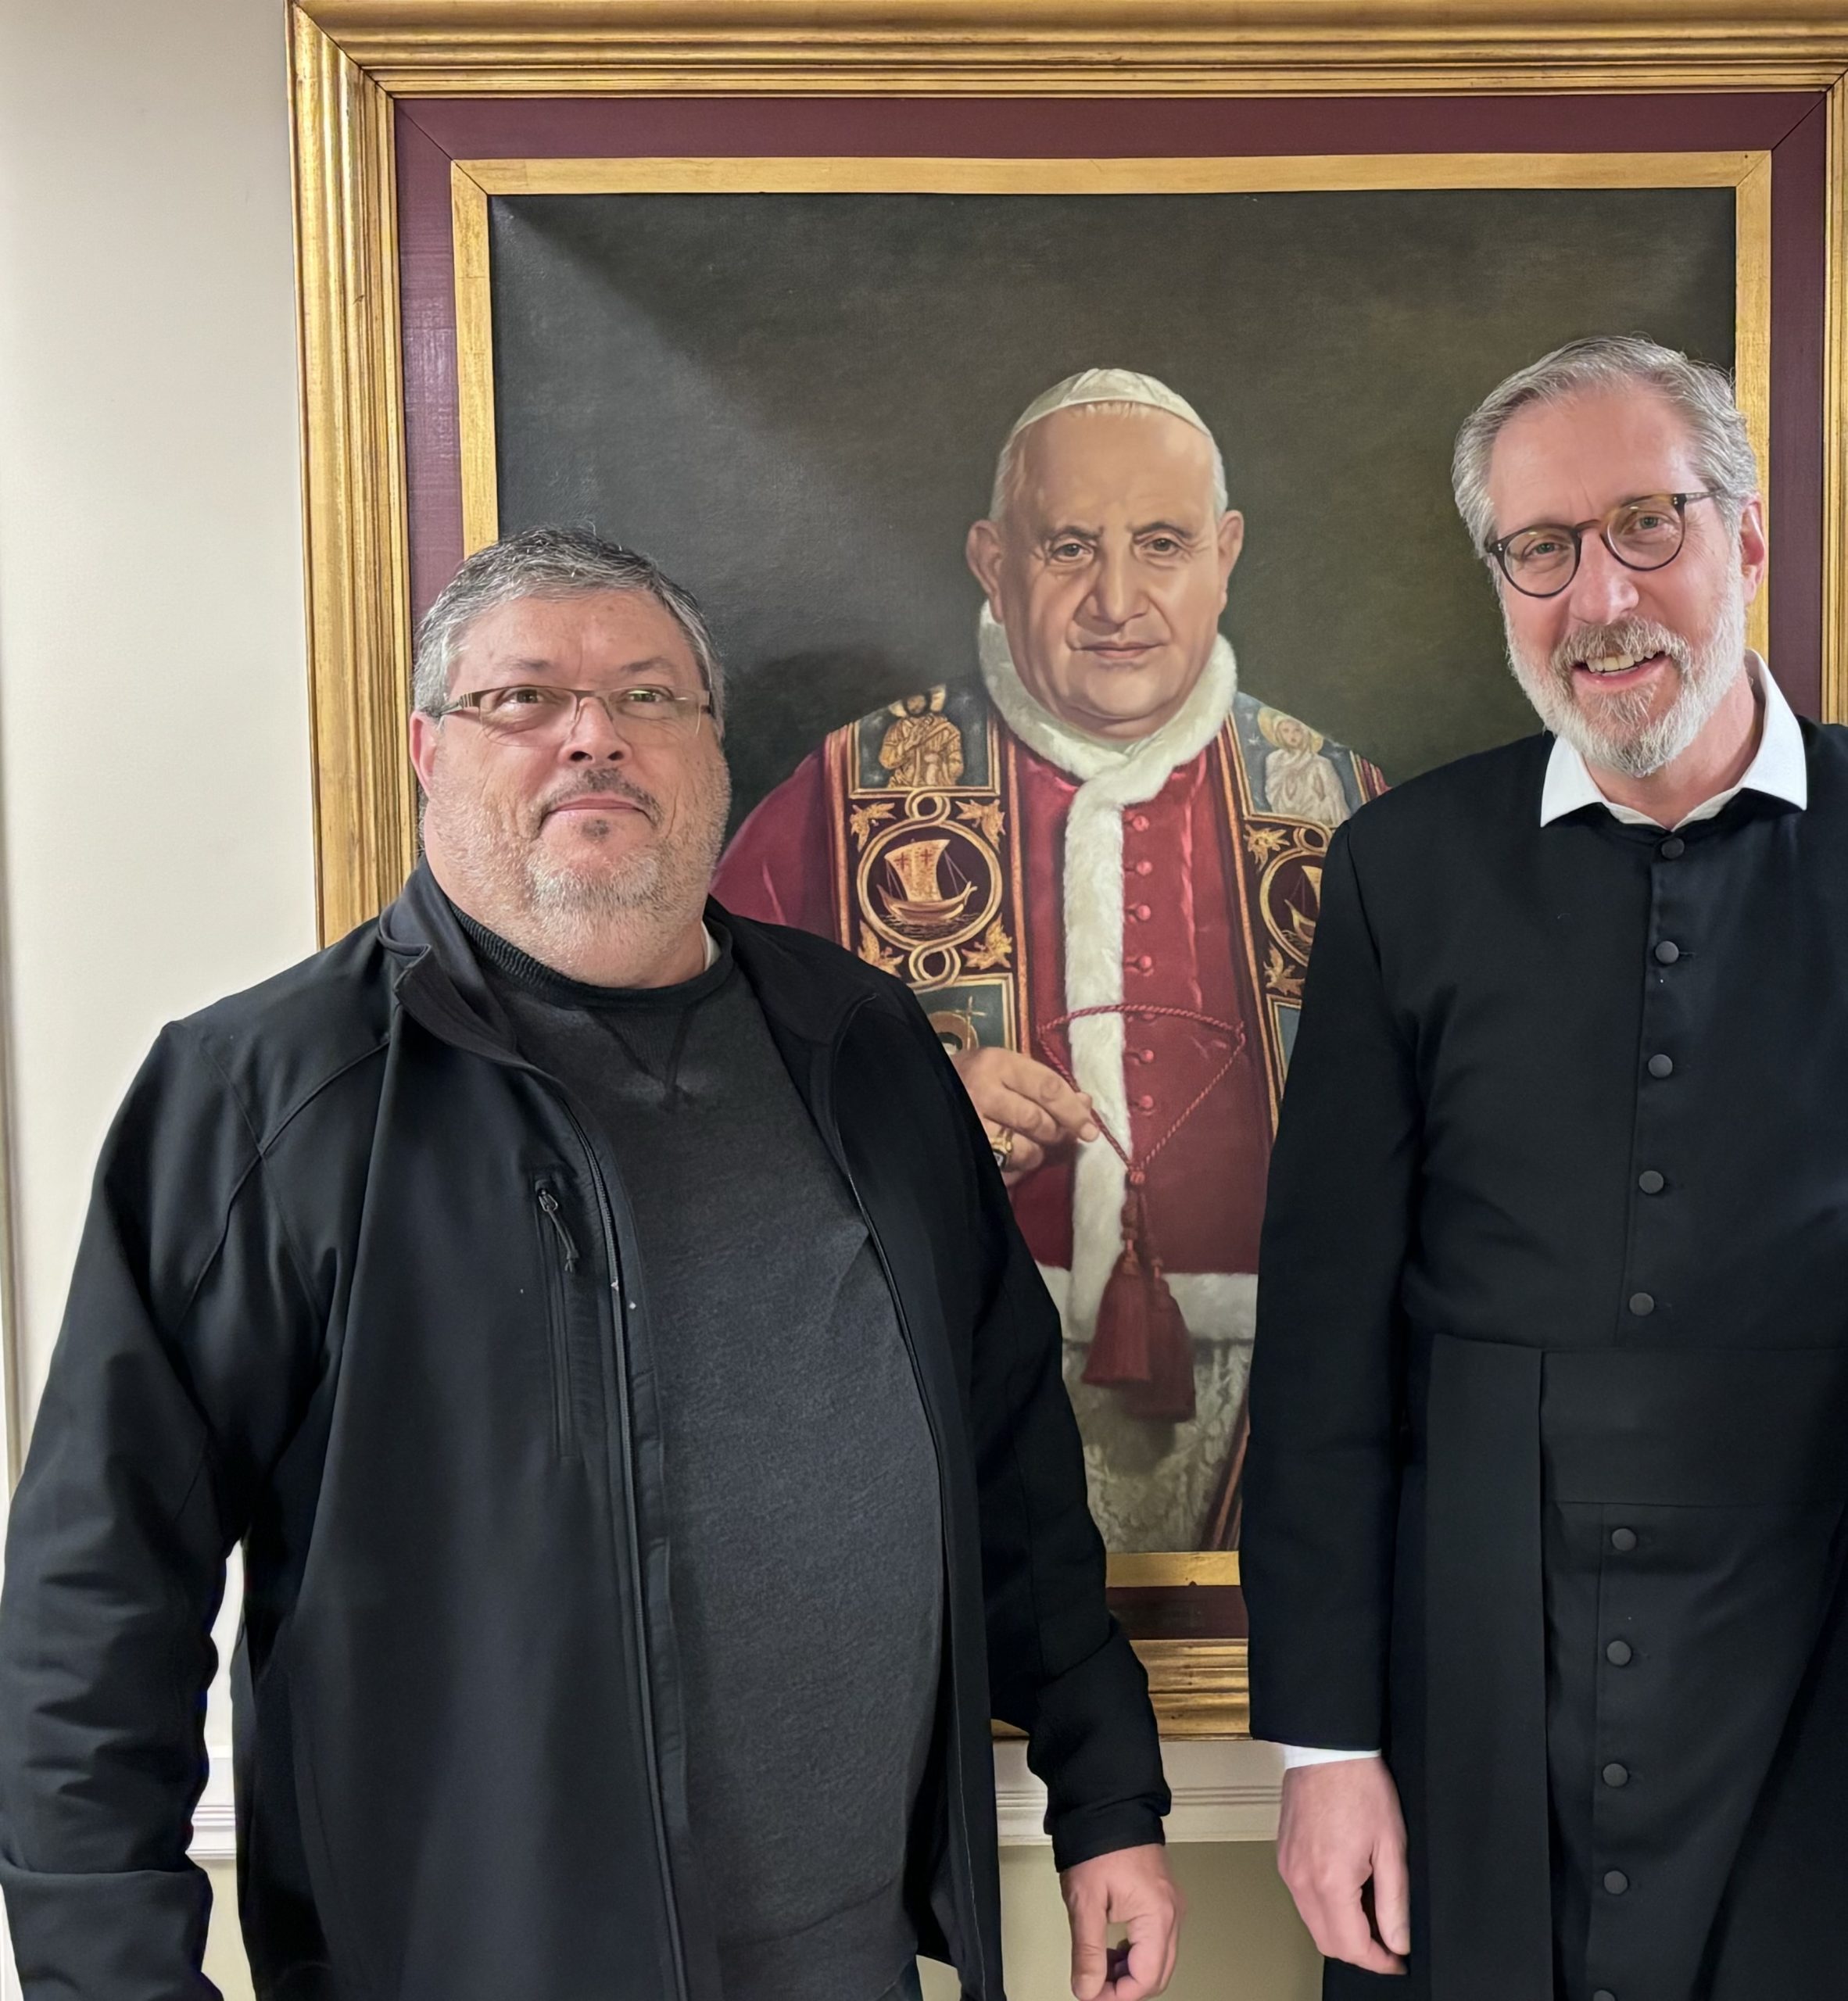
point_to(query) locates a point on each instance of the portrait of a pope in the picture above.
(1098, 866)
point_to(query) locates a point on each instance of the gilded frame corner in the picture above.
(350, 61)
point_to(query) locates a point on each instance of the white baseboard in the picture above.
(1224, 1791)
(214, 1824)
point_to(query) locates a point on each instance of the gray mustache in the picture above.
(609, 786)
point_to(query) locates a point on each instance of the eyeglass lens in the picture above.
(539, 707)
(1644, 535)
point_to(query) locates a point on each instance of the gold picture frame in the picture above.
(352, 62)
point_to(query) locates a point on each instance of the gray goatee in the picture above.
(1621, 735)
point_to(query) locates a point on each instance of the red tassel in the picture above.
(1141, 1347)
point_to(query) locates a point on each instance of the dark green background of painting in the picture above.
(794, 403)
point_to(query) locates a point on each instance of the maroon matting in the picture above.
(1790, 124)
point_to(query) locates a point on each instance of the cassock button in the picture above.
(1650, 1182)
(1145, 867)
(1618, 1653)
(1667, 952)
(1144, 964)
(1147, 1055)
(1616, 1881)
(1661, 1066)
(1672, 849)
(1641, 1304)
(1145, 1103)
(1616, 1774)
(1140, 822)
(1623, 1540)
(1143, 913)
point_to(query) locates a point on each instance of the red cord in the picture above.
(1138, 1169)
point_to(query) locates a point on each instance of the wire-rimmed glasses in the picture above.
(539, 708)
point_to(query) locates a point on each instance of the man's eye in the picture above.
(1068, 552)
(522, 698)
(1162, 545)
(646, 698)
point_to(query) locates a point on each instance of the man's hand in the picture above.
(1132, 1887)
(1015, 1094)
(1340, 1829)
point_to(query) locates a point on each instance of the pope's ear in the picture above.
(1231, 540)
(983, 551)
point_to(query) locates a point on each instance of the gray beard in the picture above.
(551, 910)
(567, 892)
(1624, 738)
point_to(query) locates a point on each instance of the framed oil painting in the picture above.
(766, 305)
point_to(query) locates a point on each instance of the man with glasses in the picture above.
(1548, 1489)
(603, 1325)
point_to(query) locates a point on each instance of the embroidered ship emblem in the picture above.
(923, 908)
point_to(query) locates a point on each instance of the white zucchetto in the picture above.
(1108, 385)
(1105, 386)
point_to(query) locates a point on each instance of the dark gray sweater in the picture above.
(806, 1546)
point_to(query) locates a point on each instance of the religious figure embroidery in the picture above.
(1298, 780)
(923, 751)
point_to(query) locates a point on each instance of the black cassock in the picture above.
(1549, 1407)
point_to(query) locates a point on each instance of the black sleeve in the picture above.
(1060, 1667)
(1322, 1478)
(180, 1359)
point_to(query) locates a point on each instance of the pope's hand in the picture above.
(1340, 1830)
(1131, 1887)
(1016, 1095)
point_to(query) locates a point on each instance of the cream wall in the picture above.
(153, 718)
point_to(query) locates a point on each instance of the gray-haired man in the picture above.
(1547, 1488)
(602, 1323)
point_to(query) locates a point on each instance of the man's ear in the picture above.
(985, 555)
(1753, 550)
(426, 734)
(1231, 541)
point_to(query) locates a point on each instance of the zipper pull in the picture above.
(548, 1203)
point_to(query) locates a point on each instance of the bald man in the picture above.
(1081, 865)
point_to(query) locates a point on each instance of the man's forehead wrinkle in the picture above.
(1537, 470)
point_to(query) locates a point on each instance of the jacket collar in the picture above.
(440, 984)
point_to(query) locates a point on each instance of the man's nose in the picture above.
(1115, 590)
(1604, 590)
(592, 738)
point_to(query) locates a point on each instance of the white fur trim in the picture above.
(1217, 1306)
(1111, 777)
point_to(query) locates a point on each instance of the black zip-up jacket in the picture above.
(319, 1309)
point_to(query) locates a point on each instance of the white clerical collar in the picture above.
(1780, 769)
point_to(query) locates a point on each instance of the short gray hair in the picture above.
(1008, 467)
(549, 563)
(1701, 394)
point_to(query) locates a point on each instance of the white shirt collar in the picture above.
(1780, 768)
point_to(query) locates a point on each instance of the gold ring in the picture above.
(1001, 1145)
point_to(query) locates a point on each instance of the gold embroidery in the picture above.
(1264, 842)
(922, 750)
(863, 819)
(996, 949)
(1286, 984)
(985, 816)
(876, 955)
